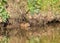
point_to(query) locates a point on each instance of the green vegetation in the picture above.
(37, 6)
(4, 40)
(55, 38)
(34, 40)
(3, 13)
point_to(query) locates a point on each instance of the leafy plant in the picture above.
(36, 6)
(3, 13)
(32, 6)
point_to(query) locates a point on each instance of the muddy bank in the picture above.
(19, 13)
(21, 18)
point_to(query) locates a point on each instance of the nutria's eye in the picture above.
(6, 6)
